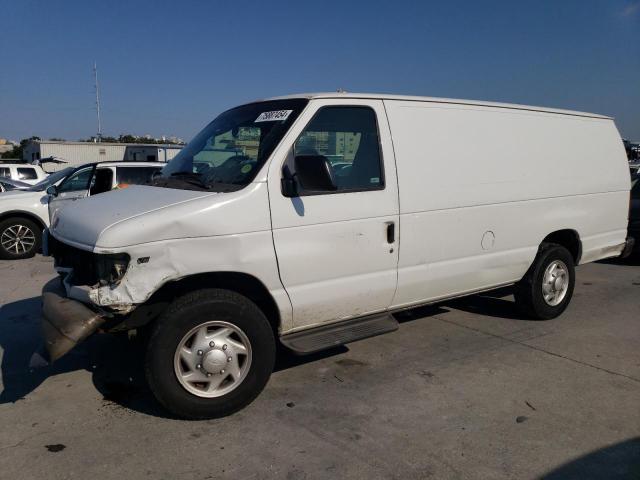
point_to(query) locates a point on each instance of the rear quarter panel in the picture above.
(465, 171)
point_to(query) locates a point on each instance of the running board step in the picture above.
(327, 336)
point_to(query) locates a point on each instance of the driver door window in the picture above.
(348, 138)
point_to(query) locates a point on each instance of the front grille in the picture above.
(82, 262)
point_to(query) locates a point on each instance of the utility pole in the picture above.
(95, 77)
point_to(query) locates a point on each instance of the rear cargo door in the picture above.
(337, 251)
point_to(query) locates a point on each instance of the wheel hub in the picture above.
(214, 360)
(558, 284)
(555, 283)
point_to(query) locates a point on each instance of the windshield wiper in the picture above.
(190, 177)
(223, 187)
(189, 180)
(186, 180)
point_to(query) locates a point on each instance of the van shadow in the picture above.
(616, 462)
(119, 375)
(114, 361)
(419, 313)
(632, 260)
(117, 362)
(19, 338)
(497, 303)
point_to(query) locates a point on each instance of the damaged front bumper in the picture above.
(65, 322)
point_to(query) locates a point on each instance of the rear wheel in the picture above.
(547, 287)
(210, 354)
(19, 238)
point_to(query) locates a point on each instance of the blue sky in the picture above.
(169, 67)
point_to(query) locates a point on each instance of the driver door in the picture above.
(337, 251)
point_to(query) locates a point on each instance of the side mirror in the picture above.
(315, 173)
(288, 183)
(52, 190)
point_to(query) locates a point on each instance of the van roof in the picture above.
(384, 96)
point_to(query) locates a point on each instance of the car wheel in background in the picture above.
(19, 238)
(546, 289)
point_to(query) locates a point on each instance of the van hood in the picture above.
(143, 214)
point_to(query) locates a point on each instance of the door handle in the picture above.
(391, 232)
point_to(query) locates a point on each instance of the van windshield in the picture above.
(228, 153)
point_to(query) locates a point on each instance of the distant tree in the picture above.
(56, 139)
(18, 149)
(631, 149)
(15, 153)
(128, 138)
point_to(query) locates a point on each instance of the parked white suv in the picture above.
(23, 172)
(24, 214)
(6, 185)
(254, 239)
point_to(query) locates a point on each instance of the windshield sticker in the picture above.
(274, 116)
(246, 169)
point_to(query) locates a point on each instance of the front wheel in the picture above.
(547, 287)
(210, 354)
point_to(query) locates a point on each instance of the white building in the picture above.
(78, 153)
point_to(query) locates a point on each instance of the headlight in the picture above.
(111, 268)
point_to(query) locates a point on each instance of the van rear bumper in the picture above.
(65, 322)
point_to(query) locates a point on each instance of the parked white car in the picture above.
(23, 172)
(7, 185)
(239, 252)
(24, 214)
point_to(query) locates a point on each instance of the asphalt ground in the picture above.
(465, 390)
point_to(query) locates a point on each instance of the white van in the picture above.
(308, 220)
(22, 172)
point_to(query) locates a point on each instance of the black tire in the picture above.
(186, 313)
(529, 291)
(8, 228)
